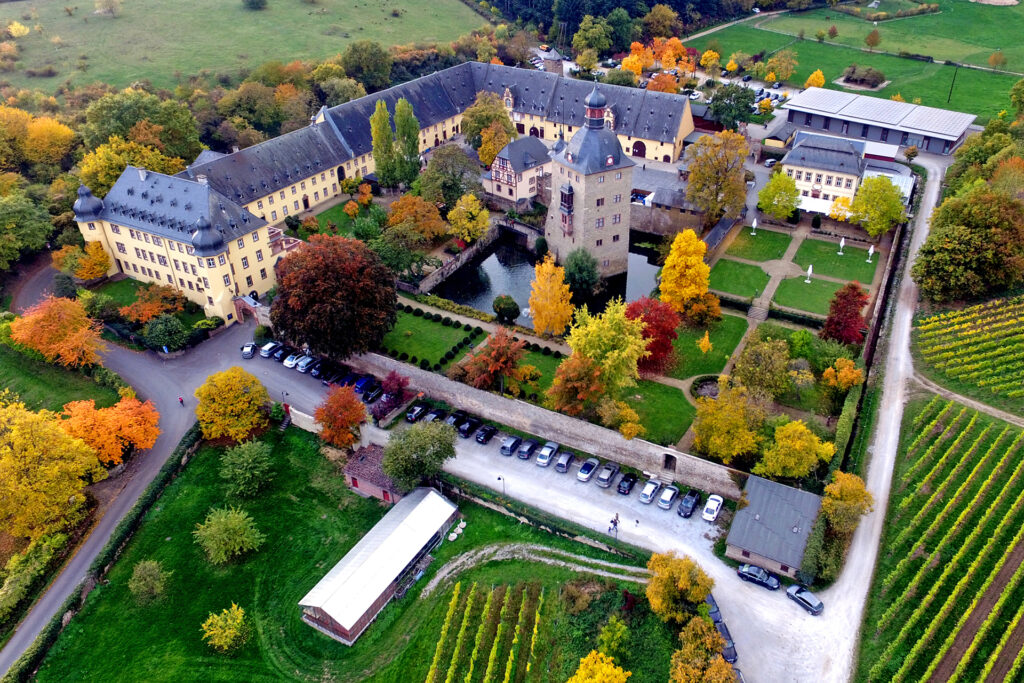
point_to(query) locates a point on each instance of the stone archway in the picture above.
(534, 132)
(305, 202)
(666, 158)
(341, 173)
(639, 149)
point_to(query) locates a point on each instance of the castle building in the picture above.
(591, 179)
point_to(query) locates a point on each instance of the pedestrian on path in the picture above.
(638, 522)
(181, 400)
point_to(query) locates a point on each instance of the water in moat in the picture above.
(507, 268)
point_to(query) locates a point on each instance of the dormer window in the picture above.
(610, 161)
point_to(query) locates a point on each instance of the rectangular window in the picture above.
(334, 186)
(599, 223)
(157, 241)
(615, 238)
(316, 196)
(745, 553)
(241, 242)
(303, 185)
(616, 219)
(273, 215)
(132, 234)
(885, 134)
(616, 199)
(190, 285)
(864, 130)
(181, 282)
(600, 178)
(332, 172)
(849, 183)
(170, 279)
(799, 175)
(177, 266)
(284, 210)
(181, 248)
(828, 180)
(324, 176)
(313, 180)
(209, 300)
(145, 236)
(263, 273)
(259, 204)
(282, 194)
(296, 205)
(789, 172)
(259, 254)
(270, 200)
(600, 201)
(138, 253)
(256, 236)
(804, 193)
(618, 176)
(245, 262)
(135, 268)
(114, 229)
(807, 119)
(294, 190)
(121, 248)
(248, 281)
(222, 259)
(162, 260)
(210, 263)
(227, 280)
(817, 178)
(194, 271)
(599, 243)
(825, 196)
(206, 283)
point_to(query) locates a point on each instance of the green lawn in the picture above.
(766, 245)
(963, 31)
(813, 298)
(336, 215)
(663, 410)
(725, 335)
(124, 292)
(160, 41)
(977, 92)
(422, 338)
(41, 385)
(311, 519)
(741, 279)
(547, 366)
(825, 258)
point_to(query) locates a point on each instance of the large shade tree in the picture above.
(717, 184)
(335, 296)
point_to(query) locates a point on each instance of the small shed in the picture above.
(772, 530)
(365, 476)
(347, 600)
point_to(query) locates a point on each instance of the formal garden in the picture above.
(946, 599)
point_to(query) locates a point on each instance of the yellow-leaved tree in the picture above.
(469, 219)
(226, 631)
(598, 667)
(717, 183)
(59, 329)
(840, 209)
(704, 343)
(47, 141)
(493, 139)
(815, 80)
(685, 275)
(846, 500)
(95, 263)
(42, 471)
(633, 64)
(676, 587)
(231, 404)
(550, 305)
(699, 658)
(613, 341)
(727, 427)
(795, 453)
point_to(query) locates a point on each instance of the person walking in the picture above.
(181, 400)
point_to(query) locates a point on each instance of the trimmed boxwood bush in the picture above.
(545, 351)
(425, 364)
(414, 360)
(446, 321)
(437, 367)
(448, 355)
(477, 330)
(437, 317)
(557, 354)
(403, 356)
(467, 327)
(417, 312)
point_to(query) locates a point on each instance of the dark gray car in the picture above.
(806, 599)
(729, 651)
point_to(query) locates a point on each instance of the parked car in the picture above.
(747, 78)
(486, 433)
(650, 491)
(668, 497)
(756, 10)
(564, 462)
(282, 353)
(695, 95)
(587, 469)
(293, 360)
(547, 454)
(248, 350)
(510, 445)
(769, 163)
(606, 475)
(724, 73)
(739, 675)
(328, 369)
(435, 414)
(689, 503)
(714, 613)
(332, 377)
(372, 393)
(350, 378)
(627, 483)
(468, 426)
(270, 348)
(729, 651)
(364, 382)
(713, 507)
(417, 411)
(456, 419)
(755, 574)
(526, 449)
(776, 85)
(805, 598)
(306, 364)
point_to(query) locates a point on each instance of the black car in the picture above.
(283, 353)
(469, 426)
(729, 651)
(435, 414)
(526, 449)
(372, 393)
(456, 419)
(332, 377)
(747, 78)
(714, 613)
(755, 574)
(689, 503)
(416, 412)
(806, 599)
(325, 369)
(486, 433)
(627, 483)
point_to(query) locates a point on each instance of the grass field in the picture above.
(663, 410)
(977, 92)
(741, 279)
(953, 529)
(963, 31)
(336, 215)
(547, 366)
(311, 519)
(123, 292)
(766, 245)
(825, 258)
(156, 40)
(424, 339)
(813, 298)
(41, 385)
(725, 335)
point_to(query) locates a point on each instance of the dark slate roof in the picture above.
(525, 153)
(672, 197)
(827, 154)
(365, 464)
(170, 207)
(208, 155)
(783, 132)
(87, 206)
(592, 151)
(776, 521)
(717, 234)
(256, 171)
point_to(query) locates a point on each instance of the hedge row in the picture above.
(452, 307)
(844, 426)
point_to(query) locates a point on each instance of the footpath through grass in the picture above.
(41, 385)
(311, 519)
(724, 335)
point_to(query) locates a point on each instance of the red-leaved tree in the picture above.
(496, 362)
(339, 416)
(577, 387)
(845, 323)
(660, 324)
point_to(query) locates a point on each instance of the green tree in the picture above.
(506, 308)
(118, 113)
(619, 77)
(165, 330)
(624, 29)
(1017, 97)
(227, 533)
(368, 63)
(613, 341)
(253, 103)
(593, 34)
(779, 197)
(795, 453)
(727, 427)
(407, 142)
(400, 248)
(488, 108)
(661, 22)
(341, 90)
(24, 227)
(877, 206)
(418, 453)
(384, 158)
(101, 167)
(613, 638)
(587, 60)
(148, 582)
(731, 105)
(246, 468)
(764, 366)
(581, 273)
(449, 174)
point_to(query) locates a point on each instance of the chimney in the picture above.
(142, 173)
(201, 179)
(234, 148)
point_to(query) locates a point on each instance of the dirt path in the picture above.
(533, 553)
(970, 628)
(969, 402)
(1008, 655)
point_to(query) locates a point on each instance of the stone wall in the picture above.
(657, 221)
(441, 274)
(663, 462)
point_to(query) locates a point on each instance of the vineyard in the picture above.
(979, 349)
(948, 600)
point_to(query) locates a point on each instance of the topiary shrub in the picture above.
(816, 221)
(424, 364)
(478, 330)
(545, 351)
(448, 355)
(557, 354)
(467, 327)
(437, 367)
(414, 360)
(446, 321)
(403, 356)
(418, 312)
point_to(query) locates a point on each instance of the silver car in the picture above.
(668, 497)
(587, 469)
(305, 364)
(547, 454)
(293, 360)
(606, 476)
(650, 490)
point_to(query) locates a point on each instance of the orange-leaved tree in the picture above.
(153, 300)
(425, 217)
(231, 404)
(95, 263)
(663, 82)
(61, 331)
(496, 362)
(110, 432)
(577, 387)
(339, 416)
